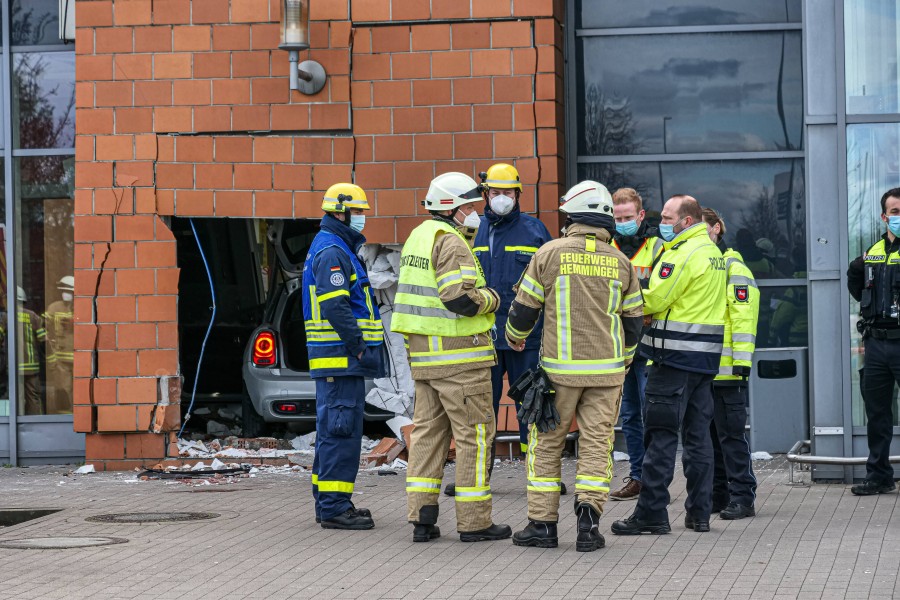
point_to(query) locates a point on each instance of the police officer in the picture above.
(446, 310)
(346, 345)
(686, 299)
(874, 280)
(637, 240)
(734, 485)
(504, 245)
(592, 299)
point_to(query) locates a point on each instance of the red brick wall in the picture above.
(183, 108)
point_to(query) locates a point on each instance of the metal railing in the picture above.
(796, 455)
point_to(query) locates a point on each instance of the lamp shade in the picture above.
(294, 25)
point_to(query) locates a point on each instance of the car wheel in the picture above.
(253, 424)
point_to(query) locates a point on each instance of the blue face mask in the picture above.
(627, 228)
(894, 224)
(357, 222)
(667, 232)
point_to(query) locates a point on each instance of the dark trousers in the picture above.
(513, 364)
(340, 402)
(882, 372)
(733, 479)
(632, 411)
(676, 400)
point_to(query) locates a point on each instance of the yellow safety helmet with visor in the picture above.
(501, 176)
(341, 197)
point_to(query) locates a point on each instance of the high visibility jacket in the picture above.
(60, 332)
(880, 283)
(686, 298)
(31, 333)
(642, 260)
(591, 299)
(334, 281)
(504, 247)
(741, 317)
(442, 304)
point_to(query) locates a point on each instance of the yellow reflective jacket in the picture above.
(741, 317)
(686, 298)
(642, 261)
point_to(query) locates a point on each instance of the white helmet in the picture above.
(66, 284)
(587, 197)
(450, 191)
(20, 294)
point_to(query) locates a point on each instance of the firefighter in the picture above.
(445, 309)
(592, 300)
(734, 485)
(873, 279)
(637, 240)
(30, 335)
(504, 245)
(686, 300)
(60, 356)
(346, 345)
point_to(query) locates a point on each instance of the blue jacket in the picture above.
(339, 310)
(504, 247)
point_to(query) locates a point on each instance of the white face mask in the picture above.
(472, 220)
(357, 222)
(67, 296)
(502, 205)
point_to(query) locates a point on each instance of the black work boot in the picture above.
(736, 511)
(589, 536)
(491, 534)
(698, 526)
(349, 519)
(635, 526)
(425, 529)
(538, 534)
(363, 512)
(870, 488)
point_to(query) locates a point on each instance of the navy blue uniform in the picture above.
(504, 247)
(342, 322)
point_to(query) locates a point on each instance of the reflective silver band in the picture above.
(475, 494)
(590, 483)
(445, 356)
(422, 484)
(532, 288)
(745, 356)
(743, 337)
(682, 345)
(629, 302)
(442, 281)
(417, 290)
(421, 311)
(697, 328)
(741, 280)
(544, 484)
(562, 365)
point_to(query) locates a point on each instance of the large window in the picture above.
(703, 98)
(872, 51)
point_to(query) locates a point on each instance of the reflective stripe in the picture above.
(590, 243)
(583, 367)
(630, 350)
(330, 295)
(472, 494)
(726, 351)
(521, 249)
(743, 337)
(448, 280)
(421, 311)
(339, 362)
(532, 444)
(449, 357)
(314, 306)
(615, 291)
(423, 485)
(544, 484)
(563, 341)
(741, 280)
(697, 328)
(532, 288)
(725, 370)
(468, 273)
(315, 479)
(745, 356)
(481, 458)
(633, 300)
(344, 487)
(682, 345)
(515, 332)
(480, 249)
(490, 182)
(584, 482)
(417, 290)
(435, 342)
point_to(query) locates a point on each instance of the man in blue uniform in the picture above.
(346, 344)
(504, 245)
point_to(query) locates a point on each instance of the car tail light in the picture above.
(287, 408)
(264, 349)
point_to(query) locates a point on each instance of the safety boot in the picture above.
(589, 536)
(491, 534)
(870, 488)
(538, 534)
(698, 526)
(635, 526)
(426, 529)
(736, 511)
(349, 519)
(363, 512)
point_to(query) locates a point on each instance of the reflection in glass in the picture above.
(762, 202)
(35, 22)
(4, 307)
(675, 13)
(871, 53)
(873, 167)
(43, 100)
(46, 248)
(687, 93)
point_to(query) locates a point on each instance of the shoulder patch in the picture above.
(742, 293)
(666, 270)
(337, 278)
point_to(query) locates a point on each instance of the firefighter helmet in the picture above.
(502, 176)
(341, 197)
(450, 191)
(587, 197)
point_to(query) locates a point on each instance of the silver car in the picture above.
(276, 362)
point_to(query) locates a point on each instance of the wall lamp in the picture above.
(307, 77)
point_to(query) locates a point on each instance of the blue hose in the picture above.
(212, 319)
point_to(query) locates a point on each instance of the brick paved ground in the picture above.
(806, 542)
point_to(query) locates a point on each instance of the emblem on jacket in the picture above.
(741, 293)
(666, 269)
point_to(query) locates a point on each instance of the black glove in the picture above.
(549, 417)
(741, 371)
(521, 385)
(532, 403)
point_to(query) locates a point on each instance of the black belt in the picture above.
(884, 334)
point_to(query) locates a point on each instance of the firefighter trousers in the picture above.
(459, 406)
(340, 402)
(597, 409)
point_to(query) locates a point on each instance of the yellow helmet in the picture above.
(501, 176)
(343, 196)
